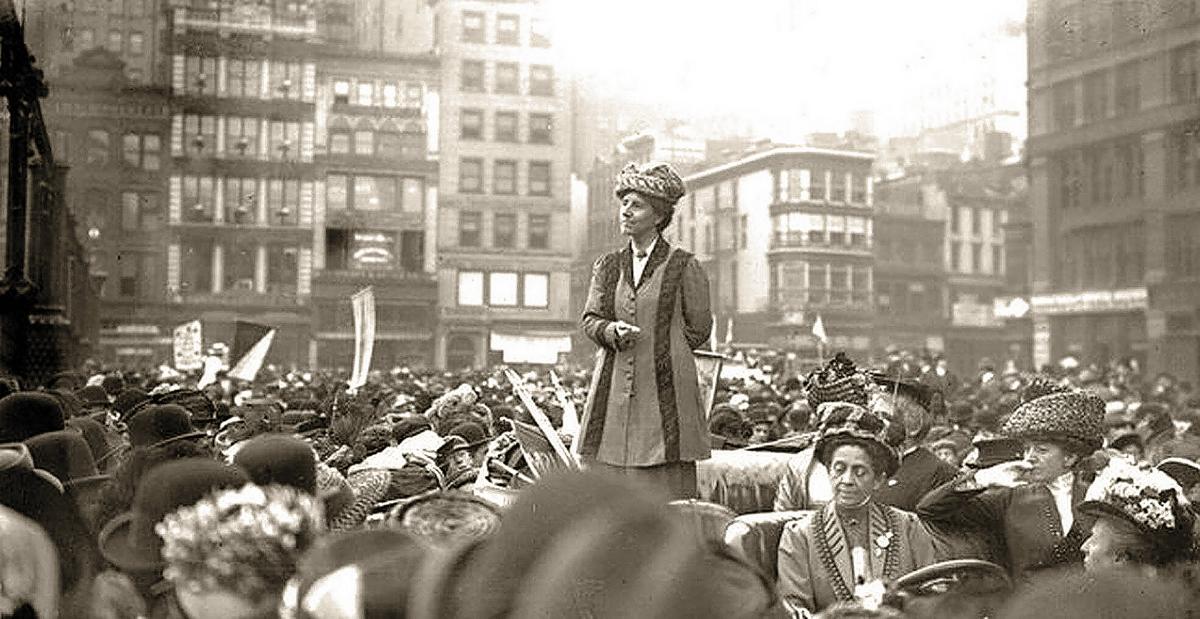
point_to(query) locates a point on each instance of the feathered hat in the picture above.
(656, 179)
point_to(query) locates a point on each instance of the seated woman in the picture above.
(1143, 520)
(845, 550)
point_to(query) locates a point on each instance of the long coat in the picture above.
(1024, 519)
(815, 568)
(644, 406)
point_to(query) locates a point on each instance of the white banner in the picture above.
(363, 306)
(188, 347)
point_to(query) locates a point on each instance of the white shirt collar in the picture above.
(1060, 490)
(1062, 483)
(649, 250)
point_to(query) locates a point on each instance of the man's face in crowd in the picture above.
(947, 455)
(760, 434)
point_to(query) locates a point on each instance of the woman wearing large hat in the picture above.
(847, 549)
(1030, 504)
(647, 309)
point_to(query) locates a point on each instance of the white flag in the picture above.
(363, 306)
(818, 330)
(212, 365)
(247, 367)
(188, 353)
(729, 332)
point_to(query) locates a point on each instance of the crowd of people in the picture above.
(126, 494)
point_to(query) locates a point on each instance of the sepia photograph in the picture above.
(541, 309)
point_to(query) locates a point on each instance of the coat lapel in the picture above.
(884, 555)
(656, 258)
(626, 262)
(838, 548)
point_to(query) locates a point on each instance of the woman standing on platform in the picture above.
(647, 309)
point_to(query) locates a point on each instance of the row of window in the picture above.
(242, 138)
(370, 93)
(374, 250)
(375, 193)
(117, 42)
(1104, 258)
(1182, 250)
(244, 77)
(138, 150)
(801, 184)
(240, 200)
(805, 229)
(505, 126)
(506, 79)
(238, 265)
(905, 251)
(909, 298)
(1099, 174)
(977, 222)
(507, 31)
(1079, 28)
(130, 8)
(504, 230)
(368, 143)
(802, 283)
(976, 258)
(504, 177)
(503, 289)
(1183, 159)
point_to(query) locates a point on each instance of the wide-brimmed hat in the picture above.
(444, 518)
(472, 432)
(64, 454)
(93, 433)
(159, 424)
(843, 422)
(1125, 439)
(93, 396)
(26, 414)
(334, 577)
(1072, 418)
(1147, 498)
(655, 179)
(127, 400)
(16, 456)
(279, 459)
(993, 451)
(1185, 472)
(129, 541)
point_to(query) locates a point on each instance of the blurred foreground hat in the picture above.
(161, 423)
(27, 414)
(655, 179)
(445, 518)
(93, 396)
(1185, 472)
(64, 454)
(279, 459)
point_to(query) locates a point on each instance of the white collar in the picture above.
(1062, 484)
(649, 250)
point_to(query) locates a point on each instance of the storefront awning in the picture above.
(542, 348)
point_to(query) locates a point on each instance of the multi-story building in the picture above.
(504, 247)
(133, 30)
(113, 135)
(241, 195)
(910, 273)
(1114, 168)
(376, 199)
(786, 235)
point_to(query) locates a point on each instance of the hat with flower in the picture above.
(838, 381)
(655, 179)
(1073, 418)
(1146, 498)
(247, 540)
(846, 423)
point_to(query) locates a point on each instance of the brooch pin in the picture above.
(882, 542)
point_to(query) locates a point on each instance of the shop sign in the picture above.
(1090, 302)
(971, 313)
(1010, 307)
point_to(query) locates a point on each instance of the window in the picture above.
(470, 288)
(195, 269)
(285, 81)
(337, 192)
(504, 178)
(1185, 73)
(412, 250)
(539, 178)
(283, 202)
(135, 269)
(372, 250)
(502, 289)
(1183, 159)
(364, 143)
(114, 41)
(468, 228)
(539, 34)
(137, 43)
(471, 124)
(241, 137)
(998, 259)
(506, 126)
(1095, 96)
(282, 268)
(200, 134)
(365, 94)
(976, 221)
(241, 200)
(339, 142)
(239, 267)
(956, 256)
(131, 150)
(506, 78)
(200, 76)
(140, 211)
(470, 176)
(85, 40)
(284, 140)
(97, 147)
(817, 185)
(504, 230)
(1064, 105)
(976, 265)
(390, 95)
(508, 30)
(198, 202)
(539, 232)
(412, 195)
(837, 188)
(858, 188)
(743, 222)
(472, 76)
(1069, 180)
(243, 78)
(541, 127)
(393, 145)
(1128, 89)
(341, 92)
(541, 80)
(374, 193)
(472, 27)
(537, 290)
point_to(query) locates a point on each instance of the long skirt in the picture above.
(672, 480)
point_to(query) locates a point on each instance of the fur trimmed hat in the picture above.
(838, 381)
(656, 179)
(1072, 417)
(843, 422)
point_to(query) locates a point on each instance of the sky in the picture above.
(796, 66)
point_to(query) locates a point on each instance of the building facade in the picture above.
(131, 30)
(376, 203)
(786, 235)
(503, 239)
(1114, 169)
(241, 194)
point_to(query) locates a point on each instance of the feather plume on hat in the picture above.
(656, 179)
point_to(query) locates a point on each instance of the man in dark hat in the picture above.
(911, 406)
(26, 414)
